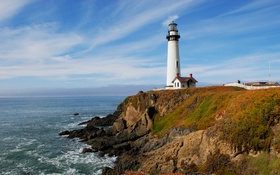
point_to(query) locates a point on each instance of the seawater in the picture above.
(29, 140)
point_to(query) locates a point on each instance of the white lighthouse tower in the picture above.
(173, 60)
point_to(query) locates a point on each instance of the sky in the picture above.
(118, 47)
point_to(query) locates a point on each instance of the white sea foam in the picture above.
(23, 144)
(71, 171)
(5, 124)
(8, 138)
(73, 157)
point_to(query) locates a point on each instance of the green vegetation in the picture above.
(245, 117)
(249, 118)
(126, 100)
(263, 164)
(218, 164)
(199, 110)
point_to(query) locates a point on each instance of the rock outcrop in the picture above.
(176, 131)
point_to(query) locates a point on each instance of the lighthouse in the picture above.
(174, 79)
(173, 60)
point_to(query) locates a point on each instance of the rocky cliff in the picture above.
(196, 130)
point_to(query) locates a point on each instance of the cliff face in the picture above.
(189, 130)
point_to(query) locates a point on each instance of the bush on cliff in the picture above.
(218, 164)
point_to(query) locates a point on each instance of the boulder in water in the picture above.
(64, 133)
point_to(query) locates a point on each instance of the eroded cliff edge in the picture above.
(189, 130)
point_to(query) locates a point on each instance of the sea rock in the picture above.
(88, 150)
(87, 133)
(119, 143)
(118, 125)
(122, 167)
(76, 114)
(64, 133)
(106, 121)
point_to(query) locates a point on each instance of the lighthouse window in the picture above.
(177, 64)
(172, 27)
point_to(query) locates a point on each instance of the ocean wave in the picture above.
(9, 138)
(69, 159)
(23, 144)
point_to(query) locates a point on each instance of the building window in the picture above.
(177, 84)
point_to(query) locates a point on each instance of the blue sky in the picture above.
(53, 46)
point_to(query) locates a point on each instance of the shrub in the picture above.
(219, 164)
(250, 116)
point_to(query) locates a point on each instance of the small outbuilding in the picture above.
(183, 82)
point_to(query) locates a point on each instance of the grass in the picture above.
(199, 109)
(245, 117)
(245, 121)
(264, 164)
(249, 118)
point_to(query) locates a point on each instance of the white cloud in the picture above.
(249, 68)
(36, 43)
(136, 15)
(39, 51)
(253, 18)
(43, 50)
(169, 19)
(258, 4)
(8, 8)
(62, 58)
(113, 69)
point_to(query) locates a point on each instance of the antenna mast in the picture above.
(269, 69)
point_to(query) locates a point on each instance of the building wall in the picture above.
(192, 84)
(177, 84)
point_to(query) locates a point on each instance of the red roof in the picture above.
(185, 79)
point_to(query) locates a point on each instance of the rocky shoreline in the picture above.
(131, 136)
(119, 139)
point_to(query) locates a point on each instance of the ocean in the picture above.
(29, 140)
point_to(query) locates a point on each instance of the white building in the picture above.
(184, 82)
(174, 80)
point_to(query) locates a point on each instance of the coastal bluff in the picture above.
(209, 130)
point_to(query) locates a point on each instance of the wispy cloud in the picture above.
(39, 50)
(11, 7)
(246, 68)
(169, 19)
(114, 69)
(34, 44)
(135, 16)
(123, 42)
(255, 5)
(254, 17)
